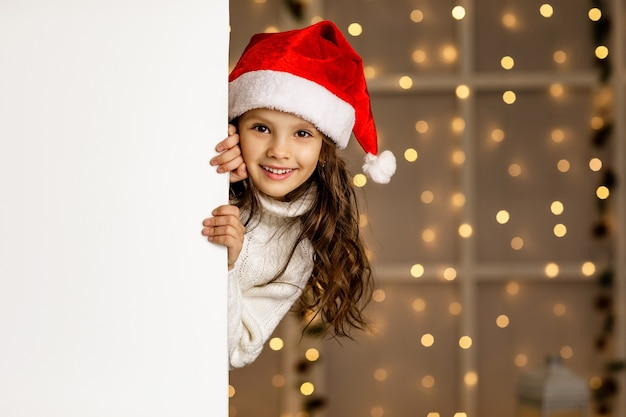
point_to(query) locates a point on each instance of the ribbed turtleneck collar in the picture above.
(288, 209)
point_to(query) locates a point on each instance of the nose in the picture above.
(278, 147)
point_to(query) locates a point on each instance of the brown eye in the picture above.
(260, 128)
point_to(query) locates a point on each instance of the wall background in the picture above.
(480, 273)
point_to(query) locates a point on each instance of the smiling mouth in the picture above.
(278, 171)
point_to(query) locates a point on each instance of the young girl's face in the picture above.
(281, 151)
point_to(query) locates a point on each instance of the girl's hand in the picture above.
(225, 229)
(229, 158)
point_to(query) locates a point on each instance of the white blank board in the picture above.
(112, 304)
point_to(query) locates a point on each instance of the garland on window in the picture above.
(605, 393)
(313, 332)
(296, 8)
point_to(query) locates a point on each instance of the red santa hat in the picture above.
(315, 74)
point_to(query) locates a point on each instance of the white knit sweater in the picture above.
(255, 309)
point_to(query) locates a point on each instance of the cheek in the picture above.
(317, 153)
(247, 149)
(311, 159)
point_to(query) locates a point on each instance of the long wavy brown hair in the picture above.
(341, 284)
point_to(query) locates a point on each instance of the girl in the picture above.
(292, 229)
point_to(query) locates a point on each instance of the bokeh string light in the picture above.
(605, 388)
(504, 215)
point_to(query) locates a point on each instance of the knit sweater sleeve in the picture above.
(255, 306)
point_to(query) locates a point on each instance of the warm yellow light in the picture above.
(497, 135)
(596, 122)
(462, 91)
(455, 308)
(595, 382)
(546, 10)
(557, 135)
(509, 20)
(502, 321)
(312, 354)
(559, 309)
(502, 216)
(594, 14)
(559, 230)
(421, 126)
(507, 62)
(470, 379)
(521, 360)
(271, 29)
(405, 82)
(458, 124)
(458, 12)
(278, 381)
(517, 243)
(559, 57)
(563, 165)
(363, 220)
(410, 155)
(418, 56)
(276, 343)
(509, 97)
(465, 230)
(260, 1)
(377, 412)
(588, 269)
(379, 295)
(512, 288)
(595, 164)
(428, 235)
(380, 374)
(433, 414)
(427, 340)
(355, 29)
(449, 53)
(359, 180)
(557, 208)
(465, 342)
(458, 157)
(231, 391)
(602, 52)
(417, 270)
(369, 72)
(566, 352)
(458, 200)
(602, 192)
(428, 381)
(556, 90)
(551, 270)
(417, 15)
(449, 274)
(515, 170)
(419, 304)
(307, 388)
(427, 197)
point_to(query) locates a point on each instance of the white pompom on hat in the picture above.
(315, 74)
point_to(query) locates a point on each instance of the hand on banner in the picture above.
(225, 229)
(229, 158)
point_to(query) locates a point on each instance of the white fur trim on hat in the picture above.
(380, 168)
(296, 95)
